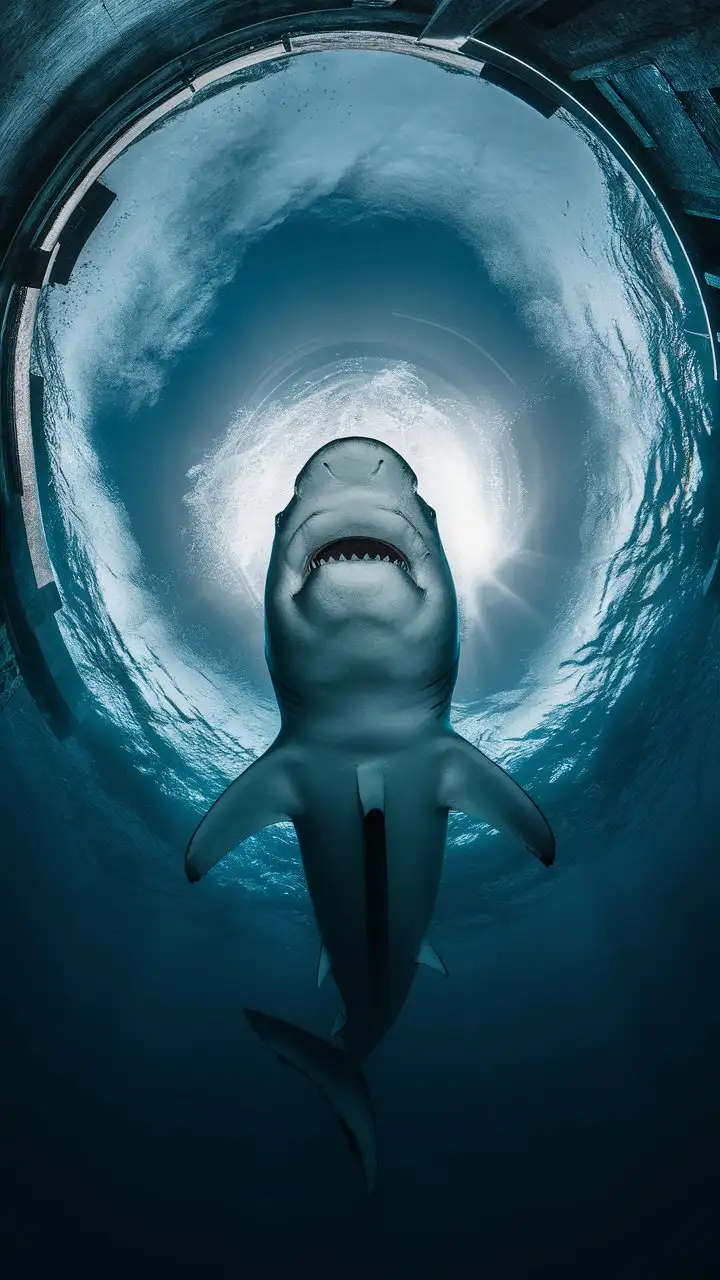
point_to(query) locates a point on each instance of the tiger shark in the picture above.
(362, 646)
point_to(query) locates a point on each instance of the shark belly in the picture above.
(334, 864)
(416, 832)
(373, 878)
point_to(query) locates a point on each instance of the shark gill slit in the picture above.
(376, 907)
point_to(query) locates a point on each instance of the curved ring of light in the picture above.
(470, 54)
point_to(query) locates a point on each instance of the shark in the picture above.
(362, 644)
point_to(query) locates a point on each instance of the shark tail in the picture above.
(336, 1073)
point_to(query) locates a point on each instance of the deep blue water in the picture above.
(551, 1109)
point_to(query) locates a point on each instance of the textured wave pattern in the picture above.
(190, 721)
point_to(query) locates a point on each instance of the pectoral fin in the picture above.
(263, 794)
(474, 785)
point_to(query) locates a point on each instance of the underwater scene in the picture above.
(381, 283)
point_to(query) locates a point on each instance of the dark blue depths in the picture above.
(553, 1105)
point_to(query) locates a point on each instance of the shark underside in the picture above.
(362, 646)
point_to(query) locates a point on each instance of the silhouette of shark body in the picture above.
(362, 646)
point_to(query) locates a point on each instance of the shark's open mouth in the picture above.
(357, 549)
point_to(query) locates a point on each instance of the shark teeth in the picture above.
(315, 564)
(331, 554)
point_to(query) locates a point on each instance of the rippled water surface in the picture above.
(480, 287)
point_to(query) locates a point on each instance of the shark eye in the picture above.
(429, 511)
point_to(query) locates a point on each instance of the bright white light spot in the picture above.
(462, 454)
(463, 480)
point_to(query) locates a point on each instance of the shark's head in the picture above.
(359, 598)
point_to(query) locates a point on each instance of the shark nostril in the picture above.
(353, 465)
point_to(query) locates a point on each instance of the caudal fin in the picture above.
(338, 1076)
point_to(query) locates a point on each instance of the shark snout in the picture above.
(355, 500)
(354, 462)
(358, 591)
